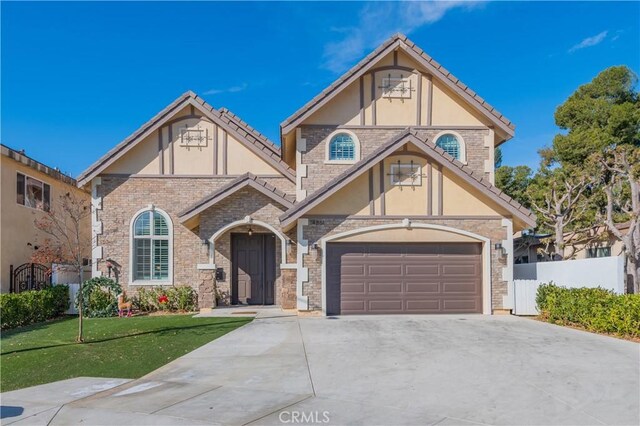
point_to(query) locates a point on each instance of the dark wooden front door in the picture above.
(253, 264)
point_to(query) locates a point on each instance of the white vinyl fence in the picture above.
(63, 275)
(605, 272)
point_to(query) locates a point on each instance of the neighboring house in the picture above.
(29, 190)
(379, 199)
(595, 242)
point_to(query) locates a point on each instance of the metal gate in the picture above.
(29, 276)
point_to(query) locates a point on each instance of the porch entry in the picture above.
(253, 266)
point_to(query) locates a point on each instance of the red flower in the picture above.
(163, 299)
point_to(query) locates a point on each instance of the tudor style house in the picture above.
(378, 199)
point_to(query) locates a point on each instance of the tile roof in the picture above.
(400, 40)
(247, 179)
(439, 155)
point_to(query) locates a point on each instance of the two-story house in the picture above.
(379, 198)
(30, 191)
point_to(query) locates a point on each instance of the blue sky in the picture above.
(79, 77)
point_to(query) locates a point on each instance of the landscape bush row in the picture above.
(100, 296)
(595, 309)
(28, 307)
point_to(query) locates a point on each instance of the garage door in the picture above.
(391, 278)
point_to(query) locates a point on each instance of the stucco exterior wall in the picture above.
(17, 221)
(167, 151)
(323, 227)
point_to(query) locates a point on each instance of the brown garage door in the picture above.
(391, 278)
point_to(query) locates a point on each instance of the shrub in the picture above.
(595, 309)
(180, 298)
(100, 297)
(17, 309)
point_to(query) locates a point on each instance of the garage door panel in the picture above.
(352, 306)
(423, 306)
(389, 270)
(355, 288)
(421, 270)
(458, 287)
(377, 288)
(461, 305)
(388, 305)
(404, 278)
(423, 287)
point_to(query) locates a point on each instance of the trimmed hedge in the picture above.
(18, 309)
(177, 299)
(595, 309)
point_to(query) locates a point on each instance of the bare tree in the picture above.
(558, 199)
(620, 180)
(66, 241)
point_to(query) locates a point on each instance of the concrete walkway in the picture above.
(382, 370)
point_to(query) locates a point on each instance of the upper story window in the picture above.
(342, 148)
(151, 246)
(33, 193)
(451, 145)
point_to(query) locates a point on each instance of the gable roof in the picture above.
(248, 179)
(459, 169)
(251, 138)
(394, 42)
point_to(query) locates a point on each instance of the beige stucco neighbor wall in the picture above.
(323, 227)
(17, 221)
(123, 197)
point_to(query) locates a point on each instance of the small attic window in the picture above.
(342, 148)
(450, 144)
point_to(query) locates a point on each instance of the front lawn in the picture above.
(114, 347)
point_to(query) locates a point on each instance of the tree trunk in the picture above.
(559, 241)
(633, 271)
(80, 338)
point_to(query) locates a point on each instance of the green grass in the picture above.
(114, 347)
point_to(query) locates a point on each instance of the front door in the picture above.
(253, 269)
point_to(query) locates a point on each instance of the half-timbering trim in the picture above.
(383, 208)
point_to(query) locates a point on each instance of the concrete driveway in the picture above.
(380, 370)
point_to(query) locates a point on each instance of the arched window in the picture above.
(151, 248)
(342, 148)
(450, 144)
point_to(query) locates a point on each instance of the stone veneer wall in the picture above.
(320, 227)
(123, 197)
(319, 173)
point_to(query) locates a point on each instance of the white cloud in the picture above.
(232, 89)
(590, 41)
(377, 21)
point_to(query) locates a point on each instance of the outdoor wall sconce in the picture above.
(289, 246)
(315, 250)
(205, 242)
(503, 251)
(250, 231)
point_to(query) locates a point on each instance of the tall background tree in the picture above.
(66, 240)
(598, 121)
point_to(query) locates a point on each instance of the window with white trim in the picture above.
(450, 144)
(342, 148)
(33, 193)
(151, 246)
